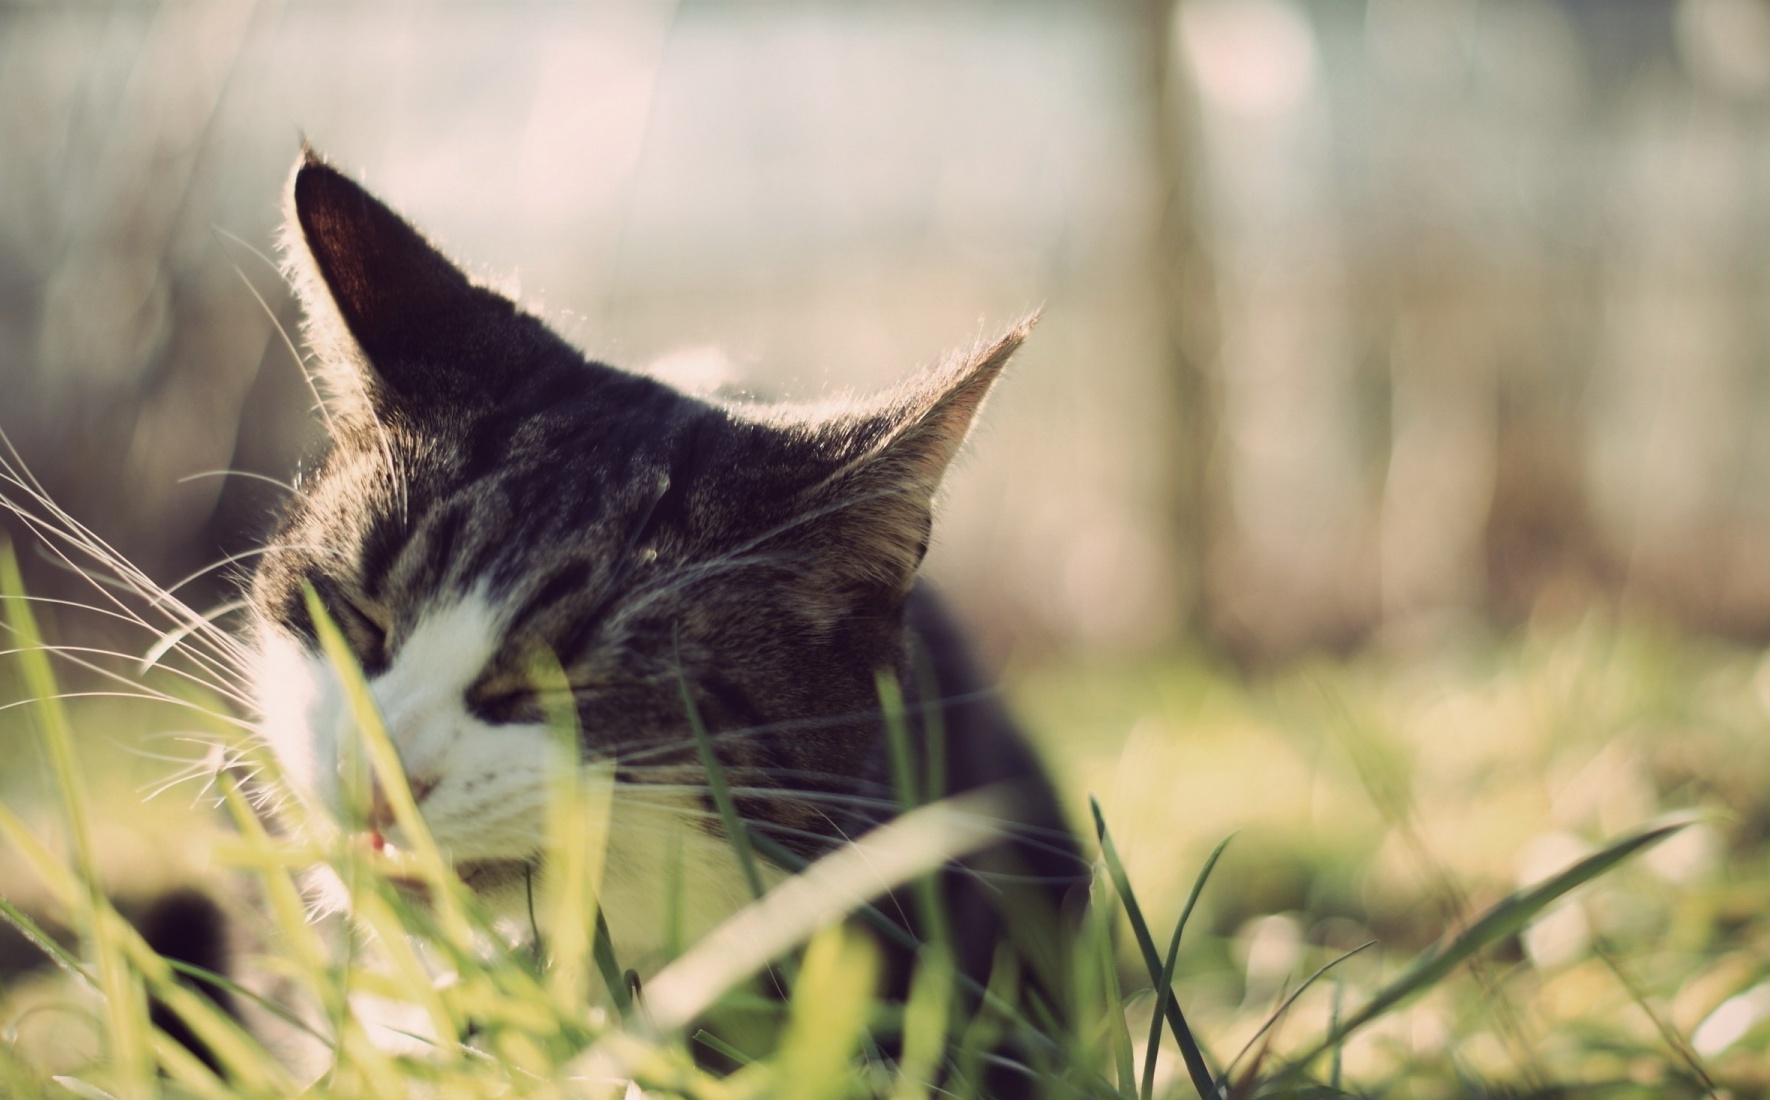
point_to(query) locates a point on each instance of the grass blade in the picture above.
(1196, 1066)
(44, 942)
(830, 1003)
(580, 803)
(897, 738)
(1164, 988)
(925, 1019)
(1504, 919)
(389, 772)
(1285, 1006)
(1679, 1047)
(728, 815)
(830, 888)
(128, 1033)
(602, 950)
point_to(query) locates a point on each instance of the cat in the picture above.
(488, 493)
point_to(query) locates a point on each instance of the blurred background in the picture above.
(1361, 317)
(1387, 478)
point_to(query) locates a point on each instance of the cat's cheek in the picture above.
(300, 704)
(490, 802)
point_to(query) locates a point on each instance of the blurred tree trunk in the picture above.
(1185, 292)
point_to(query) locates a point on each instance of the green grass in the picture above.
(1532, 869)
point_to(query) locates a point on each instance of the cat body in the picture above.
(491, 502)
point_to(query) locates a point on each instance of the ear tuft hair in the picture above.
(880, 503)
(390, 318)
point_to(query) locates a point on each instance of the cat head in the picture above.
(489, 494)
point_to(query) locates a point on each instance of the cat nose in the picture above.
(381, 810)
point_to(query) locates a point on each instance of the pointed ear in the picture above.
(877, 511)
(393, 322)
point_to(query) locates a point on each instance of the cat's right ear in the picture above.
(394, 324)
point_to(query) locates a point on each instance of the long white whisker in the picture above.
(172, 639)
(249, 475)
(170, 700)
(220, 665)
(71, 653)
(235, 559)
(61, 527)
(276, 323)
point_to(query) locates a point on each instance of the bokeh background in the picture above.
(1387, 478)
(1360, 317)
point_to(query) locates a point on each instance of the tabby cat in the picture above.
(488, 493)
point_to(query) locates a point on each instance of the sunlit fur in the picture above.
(485, 785)
(491, 502)
(488, 497)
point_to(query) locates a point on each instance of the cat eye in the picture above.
(506, 706)
(507, 699)
(365, 628)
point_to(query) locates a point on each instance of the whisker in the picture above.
(638, 749)
(276, 323)
(1047, 839)
(245, 555)
(248, 475)
(682, 577)
(91, 609)
(73, 655)
(170, 700)
(172, 639)
(60, 527)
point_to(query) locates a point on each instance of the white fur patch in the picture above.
(666, 882)
(486, 784)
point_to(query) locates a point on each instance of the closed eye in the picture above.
(365, 626)
(503, 701)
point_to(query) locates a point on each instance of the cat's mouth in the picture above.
(482, 876)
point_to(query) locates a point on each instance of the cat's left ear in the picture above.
(394, 323)
(879, 509)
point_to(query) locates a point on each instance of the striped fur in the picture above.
(488, 494)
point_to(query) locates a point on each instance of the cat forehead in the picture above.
(406, 512)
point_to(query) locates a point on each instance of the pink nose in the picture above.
(381, 810)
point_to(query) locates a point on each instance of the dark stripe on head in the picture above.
(565, 582)
(381, 547)
(736, 711)
(442, 538)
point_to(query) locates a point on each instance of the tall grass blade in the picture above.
(1507, 917)
(127, 1029)
(1285, 1006)
(602, 950)
(1679, 1047)
(735, 831)
(580, 803)
(1190, 1050)
(925, 1016)
(1117, 1031)
(830, 1004)
(388, 772)
(933, 727)
(897, 738)
(1164, 986)
(44, 942)
(825, 891)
